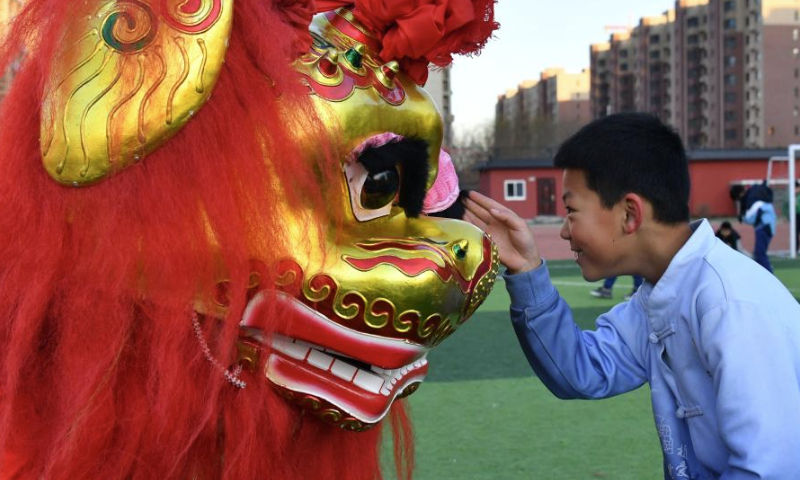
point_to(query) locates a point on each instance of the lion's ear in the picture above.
(127, 76)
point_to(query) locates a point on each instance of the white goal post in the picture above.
(791, 160)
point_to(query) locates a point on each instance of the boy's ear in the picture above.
(633, 206)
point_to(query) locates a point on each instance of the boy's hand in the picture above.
(515, 242)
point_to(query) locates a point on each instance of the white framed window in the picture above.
(514, 190)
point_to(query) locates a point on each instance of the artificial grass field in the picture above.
(482, 414)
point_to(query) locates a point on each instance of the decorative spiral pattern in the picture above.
(191, 16)
(326, 411)
(129, 26)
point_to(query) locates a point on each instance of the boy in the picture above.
(715, 335)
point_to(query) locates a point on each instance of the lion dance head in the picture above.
(215, 259)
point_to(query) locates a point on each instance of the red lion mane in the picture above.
(99, 381)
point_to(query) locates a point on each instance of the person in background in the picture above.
(760, 213)
(608, 286)
(728, 235)
(716, 337)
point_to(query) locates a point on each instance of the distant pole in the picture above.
(793, 149)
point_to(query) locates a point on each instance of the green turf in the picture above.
(514, 428)
(481, 414)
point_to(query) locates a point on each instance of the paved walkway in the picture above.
(552, 247)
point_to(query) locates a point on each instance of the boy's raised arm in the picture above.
(515, 242)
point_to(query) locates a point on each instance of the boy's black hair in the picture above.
(632, 153)
(456, 210)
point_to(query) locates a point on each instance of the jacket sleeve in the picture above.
(751, 215)
(570, 362)
(753, 359)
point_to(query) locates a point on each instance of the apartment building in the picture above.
(439, 88)
(724, 73)
(537, 114)
(778, 60)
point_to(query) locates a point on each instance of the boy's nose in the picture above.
(565, 230)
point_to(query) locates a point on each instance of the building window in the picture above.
(692, 39)
(730, 134)
(796, 130)
(730, 80)
(730, 42)
(730, 97)
(654, 39)
(655, 54)
(692, 22)
(514, 190)
(730, 24)
(730, 61)
(729, 5)
(730, 116)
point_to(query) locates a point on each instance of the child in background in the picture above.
(728, 235)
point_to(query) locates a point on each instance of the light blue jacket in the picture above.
(768, 216)
(717, 338)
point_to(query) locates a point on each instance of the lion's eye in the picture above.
(380, 188)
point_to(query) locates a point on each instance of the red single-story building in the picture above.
(532, 188)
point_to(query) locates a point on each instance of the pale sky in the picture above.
(535, 35)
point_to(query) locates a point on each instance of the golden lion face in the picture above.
(360, 322)
(358, 316)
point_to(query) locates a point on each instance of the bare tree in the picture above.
(472, 148)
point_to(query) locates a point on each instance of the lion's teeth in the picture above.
(375, 380)
(320, 360)
(367, 381)
(343, 370)
(289, 348)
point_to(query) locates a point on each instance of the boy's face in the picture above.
(594, 232)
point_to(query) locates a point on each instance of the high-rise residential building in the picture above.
(538, 114)
(778, 60)
(439, 88)
(724, 73)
